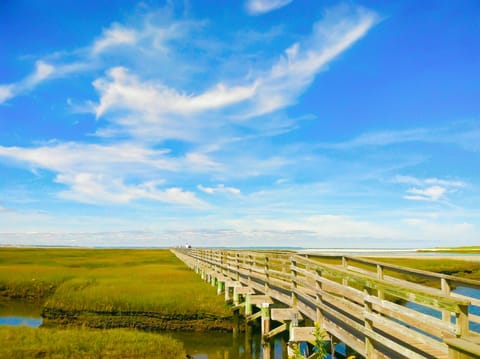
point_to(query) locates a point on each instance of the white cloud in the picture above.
(433, 193)
(448, 183)
(428, 189)
(324, 226)
(6, 93)
(114, 36)
(219, 189)
(96, 188)
(42, 72)
(295, 70)
(201, 162)
(258, 7)
(150, 108)
(124, 91)
(462, 134)
(97, 174)
(71, 157)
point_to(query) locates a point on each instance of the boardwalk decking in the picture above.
(357, 301)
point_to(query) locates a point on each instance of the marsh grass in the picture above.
(108, 281)
(22, 342)
(455, 267)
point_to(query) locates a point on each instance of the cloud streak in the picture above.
(221, 188)
(42, 72)
(102, 178)
(429, 189)
(258, 7)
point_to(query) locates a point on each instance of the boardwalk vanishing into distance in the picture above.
(377, 310)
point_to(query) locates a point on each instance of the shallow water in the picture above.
(19, 313)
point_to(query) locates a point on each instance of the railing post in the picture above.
(237, 263)
(293, 276)
(445, 287)
(345, 265)
(248, 306)
(369, 349)
(250, 264)
(380, 292)
(462, 321)
(265, 319)
(267, 276)
(319, 301)
(265, 330)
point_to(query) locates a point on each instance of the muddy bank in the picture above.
(138, 320)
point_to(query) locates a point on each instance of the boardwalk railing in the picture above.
(377, 309)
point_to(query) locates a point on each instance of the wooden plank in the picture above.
(243, 290)
(281, 314)
(409, 293)
(341, 301)
(302, 334)
(407, 334)
(254, 316)
(414, 318)
(233, 284)
(345, 336)
(277, 330)
(464, 346)
(260, 299)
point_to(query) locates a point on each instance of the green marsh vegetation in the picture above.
(108, 288)
(21, 342)
(455, 267)
(464, 249)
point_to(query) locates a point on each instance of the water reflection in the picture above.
(18, 313)
(21, 321)
(225, 346)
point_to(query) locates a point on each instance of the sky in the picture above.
(319, 124)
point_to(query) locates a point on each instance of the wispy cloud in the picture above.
(258, 7)
(42, 72)
(428, 181)
(116, 35)
(462, 134)
(428, 189)
(124, 91)
(95, 188)
(6, 92)
(433, 193)
(221, 188)
(340, 28)
(102, 178)
(141, 108)
(150, 107)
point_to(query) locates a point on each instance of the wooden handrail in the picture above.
(364, 301)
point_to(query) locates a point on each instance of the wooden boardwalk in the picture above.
(378, 310)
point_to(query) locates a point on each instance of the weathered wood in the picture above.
(463, 348)
(265, 310)
(281, 314)
(243, 290)
(253, 317)
(259, 299)
(324, 292)
(413, 318)
(302, 334)
(280, 329)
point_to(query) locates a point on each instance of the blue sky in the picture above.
(240, 123)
